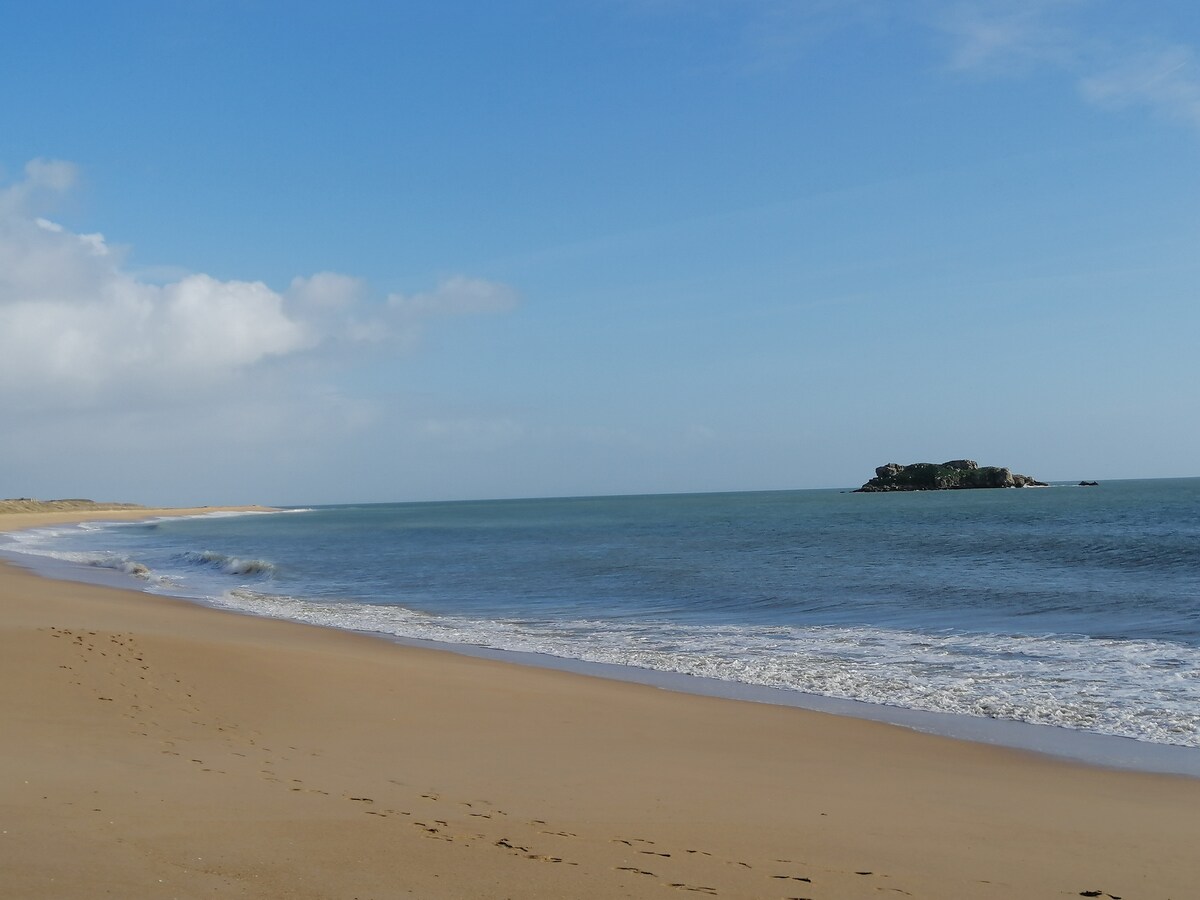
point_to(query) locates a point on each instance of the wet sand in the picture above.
(155, 748)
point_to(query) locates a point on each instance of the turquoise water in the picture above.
(1076, 607)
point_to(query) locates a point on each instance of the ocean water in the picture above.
(1063, 606)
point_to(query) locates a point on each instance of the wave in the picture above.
(123, 564)
(230, 565)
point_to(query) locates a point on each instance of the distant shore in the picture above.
(159, 748)
(84, 510)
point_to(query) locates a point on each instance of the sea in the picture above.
(1063, 619)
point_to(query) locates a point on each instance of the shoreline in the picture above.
(160, 747)
(1069, 745)
(1060, 742)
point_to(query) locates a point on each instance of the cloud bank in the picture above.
(76, 327)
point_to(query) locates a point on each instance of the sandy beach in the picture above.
(156, 748)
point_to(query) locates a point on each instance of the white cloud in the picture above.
(55, 174)
(334, 304)
(227, 324)
(339, 304)
(78, 330)
(43, 178)
(74, 325)
(327, 290)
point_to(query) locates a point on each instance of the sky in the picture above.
(316, 252)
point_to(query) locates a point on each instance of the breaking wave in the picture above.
(123, 564)
(230, 565)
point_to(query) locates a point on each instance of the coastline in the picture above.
(158, 747)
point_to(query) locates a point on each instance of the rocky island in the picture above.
(955, 475)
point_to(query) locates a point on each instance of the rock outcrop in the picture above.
(955, 475)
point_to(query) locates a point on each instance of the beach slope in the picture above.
(154, 748)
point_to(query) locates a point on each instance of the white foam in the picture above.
(1146, 690)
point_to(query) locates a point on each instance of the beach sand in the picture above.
(155, 748)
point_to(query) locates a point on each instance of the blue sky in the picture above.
(316, 252)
